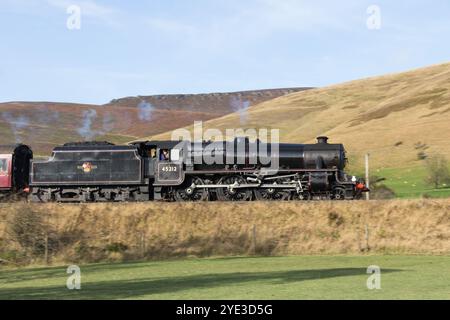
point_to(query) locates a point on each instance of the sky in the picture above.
(92, 51)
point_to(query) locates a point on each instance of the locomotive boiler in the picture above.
(241, 153)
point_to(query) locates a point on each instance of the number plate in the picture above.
(169, 172)
(169, 168)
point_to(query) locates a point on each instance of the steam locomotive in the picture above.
(237, 170)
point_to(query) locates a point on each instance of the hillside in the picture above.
(393, 117)
(46, 124)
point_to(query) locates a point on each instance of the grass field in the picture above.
(409, 183)
(296, 277)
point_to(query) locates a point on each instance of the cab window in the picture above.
(3, 167)
(151, 152)
(175, 155)
(164, 155)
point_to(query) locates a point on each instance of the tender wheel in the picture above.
(41, 196)
(188, 191)
(233, 194)
(272, 194)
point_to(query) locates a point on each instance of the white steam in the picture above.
(86, 130)
(241, 107)
(16, 124)
(145, 111)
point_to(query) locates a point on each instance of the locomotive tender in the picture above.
(237, 170)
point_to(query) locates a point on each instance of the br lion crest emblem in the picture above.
(87, 167)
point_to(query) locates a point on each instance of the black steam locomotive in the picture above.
(238, 170)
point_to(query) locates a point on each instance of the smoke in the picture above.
(89, 116)
(46, 115)
(86, 130)
(241, 107)
(16, 124)
(108, 123)
(145, 110)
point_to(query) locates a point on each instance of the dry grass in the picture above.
(370, 115)
(103, 232)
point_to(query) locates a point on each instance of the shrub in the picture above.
(421, 155)
(437, 171)
(378, 190)
(116, 247)
(27, 229)
(382, 192)
(335, 219)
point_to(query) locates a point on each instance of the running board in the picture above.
(243, 186)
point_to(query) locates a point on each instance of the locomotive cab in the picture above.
(164, 162)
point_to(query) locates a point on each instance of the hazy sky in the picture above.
(126, 48)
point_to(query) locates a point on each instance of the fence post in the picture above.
(46, 247)
(143, 244)
(254, 239)
(366, 236)
(367, 176)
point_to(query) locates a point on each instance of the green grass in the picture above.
(410, 182)
(302, 277)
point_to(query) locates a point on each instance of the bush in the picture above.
(378, 190)
(116, 247)
(382, 192)
(437, 171)
(335, 219)
(27, 229)
(13, 256)
(421, 155)
(81, 251)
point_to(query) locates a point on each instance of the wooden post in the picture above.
(366, 236)
(367, 176)
(46, 248)
(254, 239)
(143, 244)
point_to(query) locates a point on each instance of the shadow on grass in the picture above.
(25, 274)
(36, 273)
(122, 289)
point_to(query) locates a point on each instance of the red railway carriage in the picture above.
(14, 167)
(5, 171)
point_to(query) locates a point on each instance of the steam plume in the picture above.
(241, 107)
(145, 110)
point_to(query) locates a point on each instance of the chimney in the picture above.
(322, 140)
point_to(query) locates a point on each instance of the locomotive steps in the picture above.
(104, 232)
